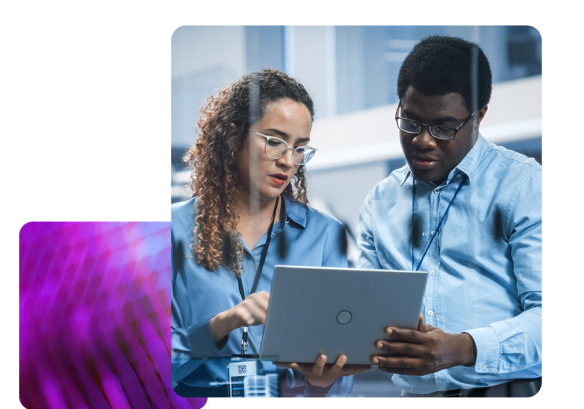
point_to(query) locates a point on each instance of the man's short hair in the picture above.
(440, 65)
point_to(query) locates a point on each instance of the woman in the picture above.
(248, 213)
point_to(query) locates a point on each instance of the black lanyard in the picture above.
(257, 276)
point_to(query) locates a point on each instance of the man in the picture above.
(469, 213)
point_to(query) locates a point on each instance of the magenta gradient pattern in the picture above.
(95, 316)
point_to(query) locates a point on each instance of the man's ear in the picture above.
(481, 114)
(479, 118)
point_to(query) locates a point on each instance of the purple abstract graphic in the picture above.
(95, 316)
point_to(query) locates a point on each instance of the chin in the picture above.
(272, 193)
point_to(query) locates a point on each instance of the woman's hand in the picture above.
(322, 374)
(251, 311)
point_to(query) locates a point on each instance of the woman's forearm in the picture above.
(221, 326)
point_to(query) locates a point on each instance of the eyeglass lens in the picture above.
(275, 149)
(414, 127)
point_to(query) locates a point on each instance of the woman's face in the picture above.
(285, 119)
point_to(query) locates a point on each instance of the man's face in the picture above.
(432, 159)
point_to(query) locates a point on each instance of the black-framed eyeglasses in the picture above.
(437, 131)
(275, 148)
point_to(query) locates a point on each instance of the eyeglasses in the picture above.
(276, 148)
(437, 131)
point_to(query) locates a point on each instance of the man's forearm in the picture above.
(468, 350)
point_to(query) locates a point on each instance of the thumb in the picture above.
(421, 323)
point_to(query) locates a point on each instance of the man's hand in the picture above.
(322, 374)
(424, 351)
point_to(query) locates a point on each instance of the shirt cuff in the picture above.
(315, 391)
(341, 387)
(196, 341)
(487, 345)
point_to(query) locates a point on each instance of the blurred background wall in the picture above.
(351, 73)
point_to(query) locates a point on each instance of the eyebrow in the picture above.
(284, 135)
(435, 121)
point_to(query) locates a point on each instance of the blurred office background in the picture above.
(351, 73)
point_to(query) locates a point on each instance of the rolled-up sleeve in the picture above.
(342, 386)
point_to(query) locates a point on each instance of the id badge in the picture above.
(247, 378)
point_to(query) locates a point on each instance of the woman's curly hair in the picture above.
(223, 126)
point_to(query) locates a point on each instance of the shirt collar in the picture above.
(468, 165)
(295, 211)
(407, 175)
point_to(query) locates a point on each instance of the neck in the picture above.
(254, 217)
(439, 182)
(250, 206)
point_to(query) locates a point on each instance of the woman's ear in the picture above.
(233, 129)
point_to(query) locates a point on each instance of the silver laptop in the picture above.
(336, 311)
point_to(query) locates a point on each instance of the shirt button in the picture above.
(459, 176)
(437, 191)
(513, 367)
(484, 367)
(430, 312)
(432, 272)
(433, 233)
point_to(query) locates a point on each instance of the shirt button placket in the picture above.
(430, 256)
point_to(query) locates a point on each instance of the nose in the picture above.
(424, 140)
(287, 159)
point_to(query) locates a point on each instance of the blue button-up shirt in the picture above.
(310, 237)
(484, 264)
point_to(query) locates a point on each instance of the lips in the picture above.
(279, 179)
(423, 162)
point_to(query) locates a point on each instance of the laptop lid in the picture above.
(336, 311)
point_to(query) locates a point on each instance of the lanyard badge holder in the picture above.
(249, 378)
(247, 375)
